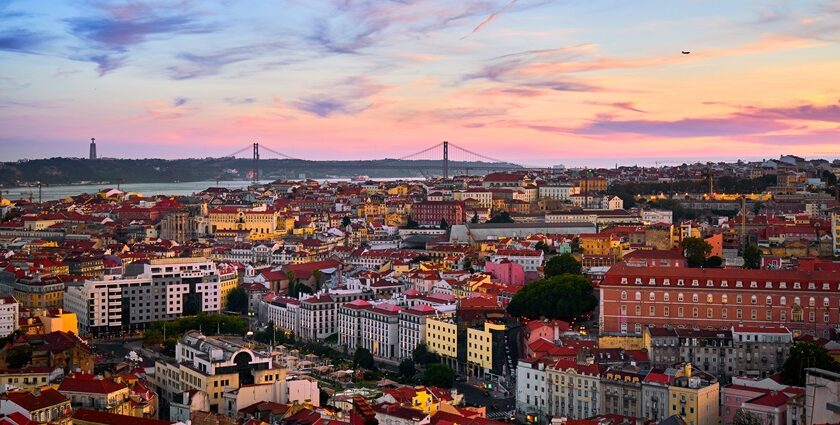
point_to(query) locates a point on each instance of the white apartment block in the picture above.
(529, 259)
(9, 315)
(412, 328)
(483, 196)
(531, 388)
(284, 312)
(165, 290)
(374, 327)
(560, 192)
(317, 317)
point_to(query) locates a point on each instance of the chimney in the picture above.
(687, 370)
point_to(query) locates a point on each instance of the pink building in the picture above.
(769, 405)
(506, 271)
(547, 330)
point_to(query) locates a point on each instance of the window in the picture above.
(623, 310)
(694, 312)
(783, 300)
(638, 310)
(638, 296)
(739, 314)
(652, 310)
(724, 298)
(825, 302)
(724, 313)
(753, 314)
(709, 313)
(811, 302)
(710, 298)
(769, 300)
(695, 298)
(768, 315)
(753, 300)
(796, 301)
(623, 295)
(680, 297)
(666, 311)
(638, 328)
(666, 297)
(680, 311)
(652, 297)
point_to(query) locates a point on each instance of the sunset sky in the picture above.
(533, 81)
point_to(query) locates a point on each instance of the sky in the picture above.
(536, 82)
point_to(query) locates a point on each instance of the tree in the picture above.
(542, 246)
(468, 264)
(439, 375)
(745, 417)
(363, 358)
(714, 262)
(562, 297)
(561, 264)
(501, 217)
(752, 257)
(421, 354)
(474, 219)
(237, 300)
(695, 251)
(757, 205)
(411, 224)
(407, 369)
(345, 221)
(443, 224)
(18, 357)
(804, 355)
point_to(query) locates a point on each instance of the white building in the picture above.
(529, 259)
(573, 389)
(532, 389)
(9, 315)
(412, 328)
(284, 312)
(317, 317)
(165, 290)
(657, 216)
(483, 196)
(374, 327)
(560, 192)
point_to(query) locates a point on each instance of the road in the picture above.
(476, 397)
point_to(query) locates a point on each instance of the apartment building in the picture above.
(574, 389)
(9, 315)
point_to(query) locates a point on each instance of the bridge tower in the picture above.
(445, 159)
(255, 172)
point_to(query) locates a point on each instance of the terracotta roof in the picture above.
(105, 418)
(29, 401)
(90, 385)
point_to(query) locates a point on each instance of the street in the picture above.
(476, 397)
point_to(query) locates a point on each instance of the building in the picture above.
(262, 221)
(560, 192)
(835, 232)
(9, 315)
(655, 401)
(27, 378)
(97, 393)
(95, 417)
(92, 153)
(44, 406)
(574, 389)
(486, 350)
(695, 397)
(39, 292)
(212, 365)
(632, 298)
(284, 312)
(621, 392)
(412, 328)
(530, 259)
(442, 340)
(822, 405)
(761, 351)
(165, 289)
(431, 213)
(532, 390)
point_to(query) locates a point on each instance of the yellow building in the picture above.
(399, 190)
(260, 221)
(480, 346)
(442, 339)
(59, 320)
(27, 378)
(375, 209)
(40, 292)
(600, 245)
(695, 396)
(228, 281)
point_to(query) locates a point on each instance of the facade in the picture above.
(104, 394)
(532, 390)
(574, 389)
(317, 317)
(9, 315)
(45, 406)
(256, 221)
(284, 312)
(39, 292)
(821, 396)
(166, 289)
(632, 298)
(530, 259)
(560, 192)
(442, 339)
(835, 232)
(485, 349)
(655, 401)
(211, 365)
(761, 350)
(621, 392)
(695, 397)
(430, 213)
(412, 328)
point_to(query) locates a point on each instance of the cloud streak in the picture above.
(489, 20)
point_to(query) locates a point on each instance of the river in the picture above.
(50, 193)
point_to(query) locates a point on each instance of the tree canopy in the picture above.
(752, 257)
(439, 375)
(560, 297)
(804, 355)
(237, 300)
(363, 358)
(501, 217)
(696, 250)
(407, 369)
(421, 354)
(561, 264)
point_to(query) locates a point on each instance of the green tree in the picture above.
(407, 369)
(695, 251)
(561, 264)
(237, 300)
(804, 355)
(439, 375)
(443, 224)
(474, 219)
(345, 221)
(542, 246)
(714, 262)
(421, 354)
(501, 217)
(19, 356)
(745, 417)
(752, 257)
(757, 205)
(363, 358)
(562, 297)
(411, 224)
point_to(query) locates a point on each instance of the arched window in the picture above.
(695, 298)
(724, 298)
(638, 296)
(623, 295)
(783, 300)
(769, 300)
(680, 297)
(796, 301)
(753, 300)
(666, 297)
(825, 302)
(710, 298)
(652, 297)
(811, 302)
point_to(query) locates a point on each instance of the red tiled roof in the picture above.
(27, 400)
(90, 385)
(105, 418)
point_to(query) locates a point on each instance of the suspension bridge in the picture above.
(451, 157)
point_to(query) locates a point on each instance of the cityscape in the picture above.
(482, 212)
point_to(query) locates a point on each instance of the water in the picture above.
(51, 193)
